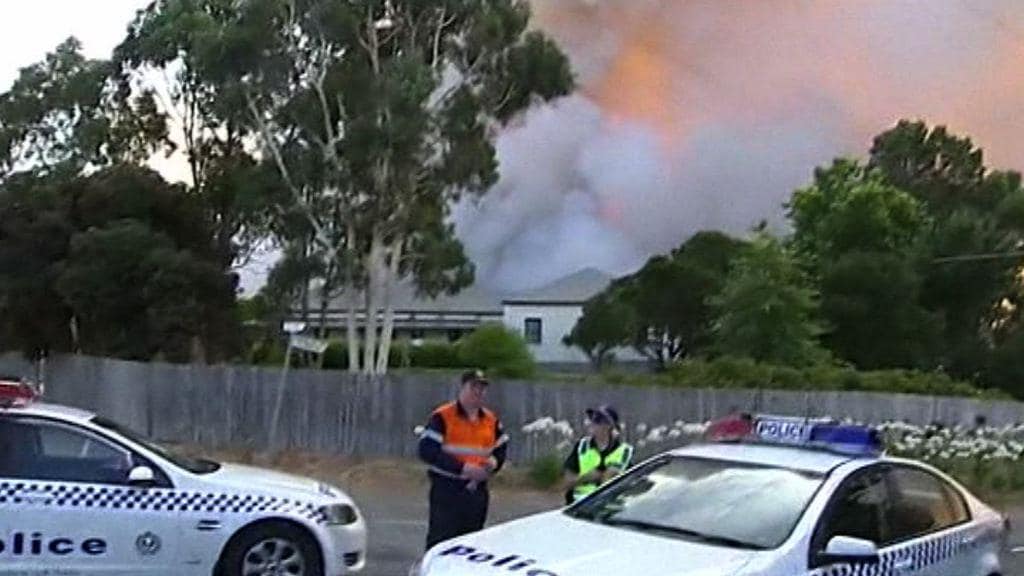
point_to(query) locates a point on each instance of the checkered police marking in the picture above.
(36, 494)
(921, 555)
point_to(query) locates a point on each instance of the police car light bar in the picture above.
(821, 434)
(17, 393)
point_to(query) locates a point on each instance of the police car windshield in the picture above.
(711, 501)
(193, 465)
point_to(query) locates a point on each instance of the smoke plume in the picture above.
(705, 114)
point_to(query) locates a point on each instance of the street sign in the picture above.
(309, 344)
(293, 327)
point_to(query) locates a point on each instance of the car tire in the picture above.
(272, 549)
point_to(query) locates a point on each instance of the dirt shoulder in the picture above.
(385, 475)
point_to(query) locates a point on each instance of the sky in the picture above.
(31, 28)
(690, 114)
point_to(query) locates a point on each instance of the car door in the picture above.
(65, 503)
(930, 519)
(857, 509)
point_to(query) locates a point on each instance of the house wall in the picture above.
(557, 321)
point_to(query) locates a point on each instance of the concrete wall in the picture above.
(219, 406)
(558, 321)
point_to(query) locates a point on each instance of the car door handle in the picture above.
(903, 565)
(208, 525)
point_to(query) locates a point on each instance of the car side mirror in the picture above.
(848, 550)
(141, 477)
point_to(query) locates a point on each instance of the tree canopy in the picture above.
(118, 263)
(376, 116)
(767, 309)
(662, 311)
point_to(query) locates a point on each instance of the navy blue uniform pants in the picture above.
(455, 510)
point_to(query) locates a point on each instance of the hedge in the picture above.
(738, 373)
(495, 348)
(336, 355)
(435, 355)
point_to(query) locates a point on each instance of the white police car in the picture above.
(81, 495)
(774, 497)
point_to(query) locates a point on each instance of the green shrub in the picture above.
(985, 477)
(400, 355)
(546, 471)
(494, 348)
(267, 353)
(742, 373)
(434, 355)
(1016, 476)
(336, 355)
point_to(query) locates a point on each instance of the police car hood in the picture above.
(250, 478)
(557, 545)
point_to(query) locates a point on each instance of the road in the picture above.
(397, 522)
(398, 527)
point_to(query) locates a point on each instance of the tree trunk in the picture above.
(325, 302)
(374, 266)
(351, 333)
(388, 328)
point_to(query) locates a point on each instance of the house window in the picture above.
(533, 330)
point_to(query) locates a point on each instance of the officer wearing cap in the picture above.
(598, 457)
(464, 446)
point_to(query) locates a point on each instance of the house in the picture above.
(446, 317)
(544, 316)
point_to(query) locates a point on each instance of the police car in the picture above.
(80, 494)
(763, 497)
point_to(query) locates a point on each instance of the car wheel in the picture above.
(275, 549)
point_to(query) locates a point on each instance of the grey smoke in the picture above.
(764, 92)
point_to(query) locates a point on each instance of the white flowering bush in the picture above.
(560, 434)
(936, 443)
(984, 458)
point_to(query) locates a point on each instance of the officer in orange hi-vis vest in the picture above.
(464, 445)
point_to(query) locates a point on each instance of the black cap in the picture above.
(475, 377)
(603, 415)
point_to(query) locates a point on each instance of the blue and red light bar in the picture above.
(817, 434)
(16, 393)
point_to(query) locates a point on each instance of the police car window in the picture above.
(711, 501)
(856, 510)
(920, 503)
(193, 465)
(41, 450)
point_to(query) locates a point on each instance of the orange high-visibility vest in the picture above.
(469, 441)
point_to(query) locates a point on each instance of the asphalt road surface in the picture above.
(397, 524)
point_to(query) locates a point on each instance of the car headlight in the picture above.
(339, 514)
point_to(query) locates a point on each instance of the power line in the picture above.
(980, 257)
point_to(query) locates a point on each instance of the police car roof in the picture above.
(792, 457)
(56, 411)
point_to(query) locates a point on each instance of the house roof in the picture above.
(573, 289)
(473, 299)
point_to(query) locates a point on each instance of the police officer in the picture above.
(464, 445)
(597, 457)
